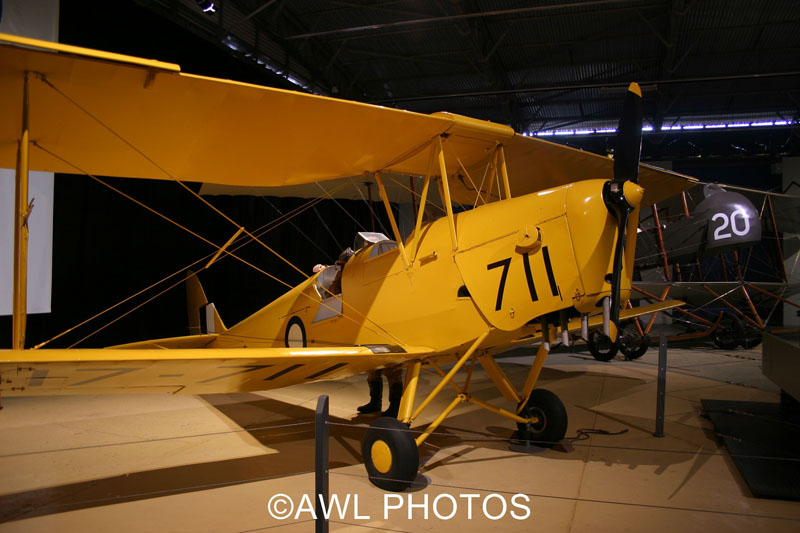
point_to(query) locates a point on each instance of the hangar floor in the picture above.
(212, 463)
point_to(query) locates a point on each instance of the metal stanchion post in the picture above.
(321, 462)
(662, 385)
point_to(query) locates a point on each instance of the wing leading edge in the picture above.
(190, 371)
(111, 115)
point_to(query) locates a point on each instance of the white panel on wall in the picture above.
(40, 244)
(37, 19)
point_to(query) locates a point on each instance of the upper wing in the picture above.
(189, 127)
(192, 371)
(535, 164)
(112, 115)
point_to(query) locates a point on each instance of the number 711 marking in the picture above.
(526, 262)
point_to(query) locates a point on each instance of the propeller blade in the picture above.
(622, 197)
(616, 273)
(629, 137)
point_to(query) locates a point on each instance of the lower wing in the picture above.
(191, 371)
(595, 321)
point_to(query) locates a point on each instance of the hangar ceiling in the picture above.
(539, 66)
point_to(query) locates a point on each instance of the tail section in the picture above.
(203, 315)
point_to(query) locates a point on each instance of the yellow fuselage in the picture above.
(514, 261)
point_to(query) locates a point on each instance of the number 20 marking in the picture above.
(526, 261)
(726, 222)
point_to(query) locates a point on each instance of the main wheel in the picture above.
(390, 454)
(729, 332)
(552, 424)
(631, 344)
(601, 347)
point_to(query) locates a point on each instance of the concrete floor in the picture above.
(213, 463)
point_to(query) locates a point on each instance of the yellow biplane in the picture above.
(552, 259)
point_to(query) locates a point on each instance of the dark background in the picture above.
(106, 248)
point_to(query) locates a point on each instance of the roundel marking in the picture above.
(295, 333)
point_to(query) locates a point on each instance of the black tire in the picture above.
(729, 332)
(601, 347)
(389, 435)
(295, 325)
(552, 415)
(751, 336)
(631, 344)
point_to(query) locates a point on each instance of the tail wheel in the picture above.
(601, 347)
(552, 419)
(632, 344)
(390, 454)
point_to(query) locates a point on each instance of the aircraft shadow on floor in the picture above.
(288, 431)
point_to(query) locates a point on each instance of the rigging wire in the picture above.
(263, 230)
(416, 194)
(301, 232)
(166, 173)
(203, 200)
(384, 333)
(328, 229)
(340, 206)
(369, 205)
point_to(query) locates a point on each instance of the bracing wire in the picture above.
(166, 173)
(340, 206)
(382, 332)
(264, 229)
(301, 232)
(369, 205)
(196, 195)
(328, 229)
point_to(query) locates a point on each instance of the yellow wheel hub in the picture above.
(381, 456)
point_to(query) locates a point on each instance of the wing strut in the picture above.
(392, 221)
(22, 210)
(446, 196)
(422, 201)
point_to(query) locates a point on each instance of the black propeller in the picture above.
(622, 194)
